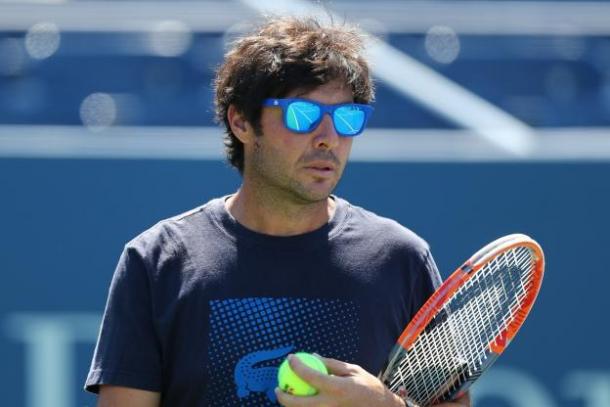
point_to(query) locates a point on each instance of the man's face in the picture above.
(304, 168)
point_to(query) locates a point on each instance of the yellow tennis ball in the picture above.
(288, 380)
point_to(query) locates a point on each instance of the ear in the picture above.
(239, 125)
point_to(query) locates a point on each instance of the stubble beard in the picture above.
(279, 185)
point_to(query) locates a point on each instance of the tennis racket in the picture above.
(467, 323)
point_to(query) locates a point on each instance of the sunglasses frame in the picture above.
(283, 103)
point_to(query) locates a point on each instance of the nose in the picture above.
(326, 136)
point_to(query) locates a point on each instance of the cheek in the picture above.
(345, 147)
(281, 145)
(271, 121)
(275, 132)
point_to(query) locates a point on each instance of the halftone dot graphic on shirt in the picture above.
(249, 338)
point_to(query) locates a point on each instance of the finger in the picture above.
(318, 380)
(462, 401)
(289, 400)
(337, 367)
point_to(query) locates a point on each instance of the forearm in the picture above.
(117, 396)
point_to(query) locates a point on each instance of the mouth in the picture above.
(321, 169)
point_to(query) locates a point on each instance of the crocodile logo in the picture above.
(250, 379)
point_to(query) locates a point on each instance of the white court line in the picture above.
(374, 145)
(399, 16)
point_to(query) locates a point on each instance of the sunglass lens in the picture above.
(302, 116)
(349, 120)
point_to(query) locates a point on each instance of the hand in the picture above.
(347, 385)
(462, 401)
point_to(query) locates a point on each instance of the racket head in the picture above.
(435, 358)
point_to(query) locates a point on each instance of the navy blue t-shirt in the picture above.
(204, 310)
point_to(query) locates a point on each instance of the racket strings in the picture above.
(452, 365)
(459, 345)
(483, 306)
(496, 306)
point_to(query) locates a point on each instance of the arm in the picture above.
(116, 396)
(347, 385)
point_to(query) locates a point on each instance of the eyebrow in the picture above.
(300, 95)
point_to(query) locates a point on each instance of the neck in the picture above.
(272, 216)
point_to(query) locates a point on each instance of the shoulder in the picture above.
(168, 236)
(387, 241)
(385, 231)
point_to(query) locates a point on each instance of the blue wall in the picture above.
(64, 223)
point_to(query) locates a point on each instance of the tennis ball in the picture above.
(288, 380)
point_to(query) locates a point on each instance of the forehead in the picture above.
(336, 90)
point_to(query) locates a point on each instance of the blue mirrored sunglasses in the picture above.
(304, 116)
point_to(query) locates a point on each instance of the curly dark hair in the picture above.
(282, 55)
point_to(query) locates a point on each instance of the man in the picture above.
(204, 306)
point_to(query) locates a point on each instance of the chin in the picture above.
(313, 196)
(320, 195)
(313, 192)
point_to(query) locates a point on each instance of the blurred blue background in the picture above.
(492, 117)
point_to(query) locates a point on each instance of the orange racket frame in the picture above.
(445, 292)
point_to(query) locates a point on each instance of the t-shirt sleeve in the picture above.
(428, 280)
(128, 350)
